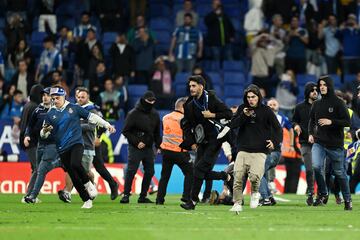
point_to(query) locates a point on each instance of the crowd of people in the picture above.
(283, 41)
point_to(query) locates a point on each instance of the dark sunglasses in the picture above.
(314, 90)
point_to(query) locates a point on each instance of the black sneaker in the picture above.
(348, 205)
(144, 200)
(273, 201)
(160, 202)
(326, 198)
(63, 196)
(310, 200)
(205, 200)
(338, 200)
(125, 199)
(321, 200)
(188, 206)
(29, 199)
(184, 200)
(114, 191)
(266, 202)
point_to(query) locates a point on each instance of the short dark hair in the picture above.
(49, 39)
(86, 13)
(188, 15)
(82, 89)
(198, 79)
(17, 91)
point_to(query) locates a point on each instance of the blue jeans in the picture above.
(49, 159)
(322, 154)
(271, 161)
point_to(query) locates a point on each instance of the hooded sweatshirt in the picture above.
(142, 124)
(35, 100)
(302, 114)
(333, 108)
(253, 131)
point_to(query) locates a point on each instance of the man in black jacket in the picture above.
(221, 32)
(328, 117)
(301, 122)
(202, 113)
(142, 130)
(35, 100)
(259, 132)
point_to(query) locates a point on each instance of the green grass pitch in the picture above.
(108, 219)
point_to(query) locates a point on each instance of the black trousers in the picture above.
(293, 169)
(206, 157)
(72, 162)
(135, 156)
(99, 165)
(182, 160)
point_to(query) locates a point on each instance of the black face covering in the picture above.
(147, 106)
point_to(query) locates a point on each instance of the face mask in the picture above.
(147, 106)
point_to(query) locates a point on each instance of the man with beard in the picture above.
(203, 114)
(142, 130)
(300, 121)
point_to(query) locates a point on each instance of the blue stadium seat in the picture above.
(162, 113)
(2, 43)
(70, 23)
(181, 78)
(302, 79)
(232, 11)
(163, 37)
(234, 78)
(218, 90)
(209, 65)
(162, 49)
(349, 77)
(66, 8)
(159, 10)
(180, 90)
(109, 37)
(203, 9)
(233, 90)
(137, 90)
(161, 23)
(237, 24)
(233, 101)
(106, 48)
(337, 80)
(37, 37)
(235, 66)
(215, 78)
(2, 23)
(36, 43)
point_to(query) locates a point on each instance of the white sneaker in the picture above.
(37, 200)
(236, 208)
(254, 202)
(91, 189)
(23, 199)
(88, 204)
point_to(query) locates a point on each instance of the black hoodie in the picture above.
(333, 108)
(255, 130)
(35, 100)
(302, 114)
(142, 124)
